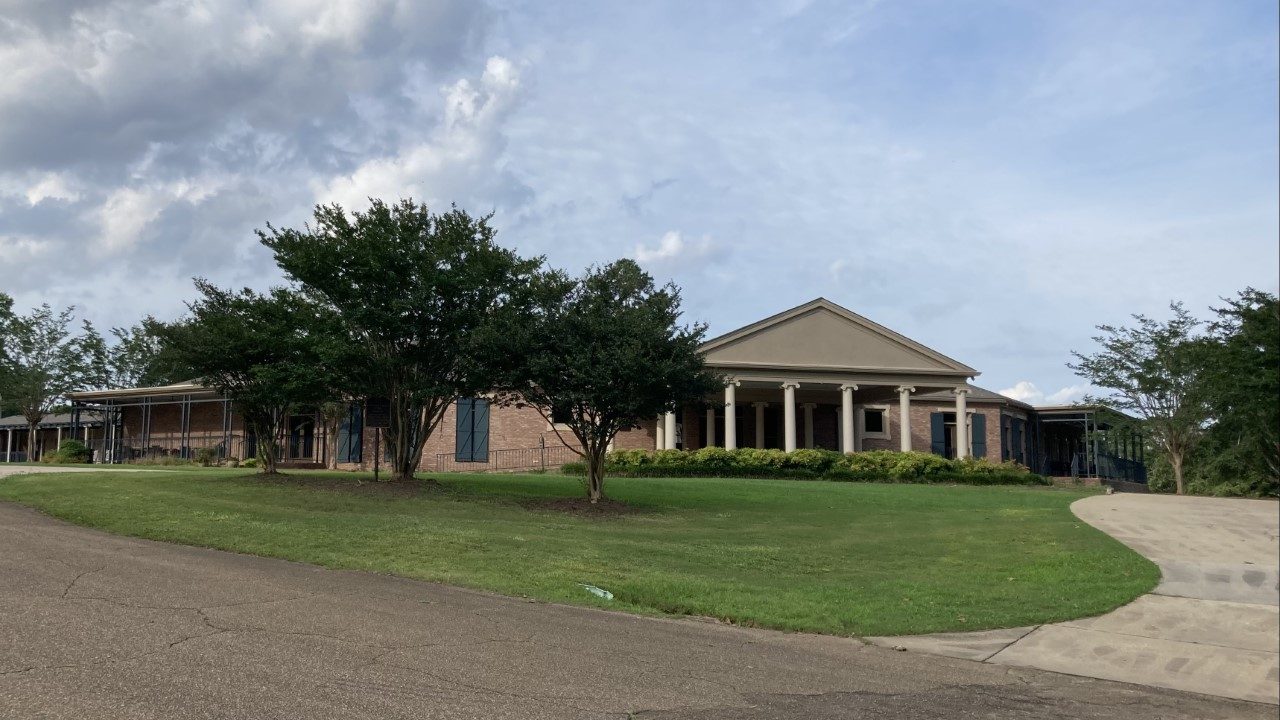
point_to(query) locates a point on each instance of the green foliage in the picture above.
(606, 350)
(206, 456)
(412, 292)
(69, 452)
(1154, 370)
(871, 466)
(42, 358)
(249, 463)
(261, 352)
(136, 359)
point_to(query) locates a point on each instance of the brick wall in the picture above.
(921, 431)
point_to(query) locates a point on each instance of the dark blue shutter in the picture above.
(979, 442)
(463, 449)
(1004, 437)
(1018, 426)
(938, 434)
(480, 430)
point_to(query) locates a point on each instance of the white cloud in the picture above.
(672, 248)
(1027, 392)
(457, 161)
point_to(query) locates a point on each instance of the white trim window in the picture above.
(873, 422)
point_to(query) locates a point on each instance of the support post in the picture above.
(789, 415)
(904, 417)
(660, 433)
(731, 415)
(760, 406)
(8, 447)
(962, 423)
(669, 423)
(846, 417)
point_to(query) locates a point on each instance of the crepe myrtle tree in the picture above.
(602, 352)
(261, 351)
(413, 291)
(44, 358)
(1154, 370)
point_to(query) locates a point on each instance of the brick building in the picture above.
(814, 376)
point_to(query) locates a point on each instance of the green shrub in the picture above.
(70, 451)
(249, 462)
(206, 456)
(871, 466)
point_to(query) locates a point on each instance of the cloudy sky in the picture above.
(990, 178)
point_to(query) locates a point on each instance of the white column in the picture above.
(8, 447)
(659, 433)
(59, 445)
(760, 406)
(669, 421)
(962, 423)
(808, 425)
(846, 417)
(731, 415)
(789, 415)
(904, 417)
(710, 439)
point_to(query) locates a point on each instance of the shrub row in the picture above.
(871, 466)
(70, 451)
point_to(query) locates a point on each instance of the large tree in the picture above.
(600, 354)
(44, 359)
(261, 351)
(1153, 370)
(412, 289)
(1242, 380)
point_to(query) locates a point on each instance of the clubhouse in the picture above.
(815, 376)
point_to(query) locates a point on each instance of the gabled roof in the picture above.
(51, 420)
(822, 334)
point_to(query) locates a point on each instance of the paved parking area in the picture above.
(99, 626)
(1211, 626)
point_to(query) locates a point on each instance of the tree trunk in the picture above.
(1175, 459)
(31, 441)
(267, 446)
(595, 476)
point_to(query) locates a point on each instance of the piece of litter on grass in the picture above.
(598, 592)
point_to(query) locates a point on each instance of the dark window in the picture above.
(351, 436)
(873, 421)
(561, 415)
(472, 441)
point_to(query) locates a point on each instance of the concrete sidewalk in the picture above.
(1212, 625)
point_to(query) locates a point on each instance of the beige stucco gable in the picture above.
(823, 335)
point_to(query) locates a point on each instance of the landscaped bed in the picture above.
(830, 557)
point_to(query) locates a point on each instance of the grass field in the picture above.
(837, 558)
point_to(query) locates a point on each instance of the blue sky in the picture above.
(990, 178)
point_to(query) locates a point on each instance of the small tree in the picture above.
(262, 352)
(1153, 371)
(44, 360)
(135, 359)
(603, 353)
(412, 290)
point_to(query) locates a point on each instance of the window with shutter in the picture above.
(938, 434)
(978, 428)
(471, 441)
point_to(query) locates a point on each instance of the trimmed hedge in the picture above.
(871, 466)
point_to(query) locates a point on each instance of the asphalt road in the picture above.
(98, 626)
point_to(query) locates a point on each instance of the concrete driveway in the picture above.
(99, 626)
(1211, 626)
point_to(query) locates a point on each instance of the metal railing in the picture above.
(14, 456)
(539, 458)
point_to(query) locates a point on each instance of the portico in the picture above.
(821, 376)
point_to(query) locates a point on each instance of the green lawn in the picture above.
(838, 558)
